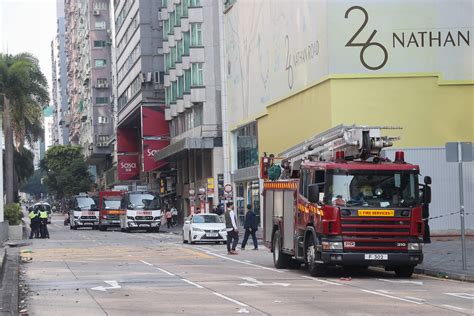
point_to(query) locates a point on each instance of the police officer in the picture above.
(34, 222)
(43, 215)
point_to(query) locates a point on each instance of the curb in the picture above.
(445, 275)
(3, 255)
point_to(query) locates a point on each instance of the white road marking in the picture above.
(415, 298)
(113, 285)
(147, 263)
(391, 296)
(467, 296)
(248, 261)
(164, 271)
(192, 283)
(243, 262)
(320, 280)
(257, 283)
(454, 307)
(230, 299)
(402, 281)
(383, 291)
(243, 311)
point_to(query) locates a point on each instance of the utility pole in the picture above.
(1, 160)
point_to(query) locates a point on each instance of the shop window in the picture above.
(247, 149)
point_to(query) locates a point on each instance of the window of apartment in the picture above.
(159, 77)
(102, 120)
(196, 34)
(187, 81)
(100, 25)
(167, 63)
(186, 44)
(135, 86)
(101, 82)
(180, 87)
(164, 3)
(174, 91)
(99, 44)
(197, 112)
(172, 22)
(184, 7)
(102, 138)
(196, 75)
(168, 96)
(123, 99)
(100, 63)
(195, 3)
(189, 119)
(178, 15)
(179, 51)
(173, 57)
(100, 6)
(165, 30)
(120, 18)
(101, 100)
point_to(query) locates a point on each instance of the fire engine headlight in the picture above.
(415, 246)
(332, 245)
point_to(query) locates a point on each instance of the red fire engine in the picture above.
(334, 200)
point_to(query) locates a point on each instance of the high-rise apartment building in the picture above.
(193, 100)
(88, 47)
(59, 79)
(140, 97)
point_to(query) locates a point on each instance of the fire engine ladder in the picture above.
(357, 142)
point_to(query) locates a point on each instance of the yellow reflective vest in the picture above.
(31, 215)
(43, 215)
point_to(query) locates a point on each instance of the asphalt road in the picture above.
(87, 272)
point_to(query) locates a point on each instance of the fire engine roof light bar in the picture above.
(355, 141)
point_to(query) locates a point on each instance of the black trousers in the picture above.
(232, 238)
(44, 229)
(249, 231)
(34, 229)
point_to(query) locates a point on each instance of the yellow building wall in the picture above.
(430, 113)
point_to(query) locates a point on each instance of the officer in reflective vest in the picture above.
(34, 223)
(43, 215)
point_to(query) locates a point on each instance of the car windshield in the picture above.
(206, 219)
(145, 201)
(44, 207)
(111, 202)
(372, 188)
(85, 202)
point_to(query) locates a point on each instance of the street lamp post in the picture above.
(1, 160)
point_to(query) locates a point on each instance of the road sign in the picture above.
(228, 188)
(452, 152)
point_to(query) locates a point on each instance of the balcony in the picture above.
(198, 94)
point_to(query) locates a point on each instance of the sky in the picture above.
(29, 26)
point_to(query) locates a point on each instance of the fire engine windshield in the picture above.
(372, 188)
(112, 202)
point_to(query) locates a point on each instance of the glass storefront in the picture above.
(247, 192)
(247, 149)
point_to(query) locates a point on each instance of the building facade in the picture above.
(193, 102)
(141, 128)
(59, 79)
(88, 46)
(392, 64)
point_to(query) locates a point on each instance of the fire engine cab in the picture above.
(333, 200)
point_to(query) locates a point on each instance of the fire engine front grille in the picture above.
(143, 218)
(88, 217)
(113, 217)
(376, 244)
(356, 226)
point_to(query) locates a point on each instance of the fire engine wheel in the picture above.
(102, 228)
(311, 256)
(404, 271)
(280, 260)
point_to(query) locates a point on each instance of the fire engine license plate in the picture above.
(376, 212)
(212, 234)
(375, 256)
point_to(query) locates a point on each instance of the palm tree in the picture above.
(25, 90)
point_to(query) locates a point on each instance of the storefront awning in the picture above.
(185, 144)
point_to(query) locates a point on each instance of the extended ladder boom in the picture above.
(357, 142)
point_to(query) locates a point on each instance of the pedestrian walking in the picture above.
(34, 223)
(231, 228)
(43, 216)
(169, 218)
(174, 215)
(250, 226)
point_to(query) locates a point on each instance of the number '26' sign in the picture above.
(368, 43)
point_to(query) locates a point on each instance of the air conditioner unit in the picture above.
(149, 77)
(96, 12)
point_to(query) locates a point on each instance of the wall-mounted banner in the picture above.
(153, 122)
(150, 148)
(128, 167)
(127, 140)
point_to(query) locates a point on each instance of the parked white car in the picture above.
(204, 227)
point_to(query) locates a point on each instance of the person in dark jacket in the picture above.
(250, 226)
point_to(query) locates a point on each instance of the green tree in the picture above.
(24, 89)
(66, 171)
(34, 185)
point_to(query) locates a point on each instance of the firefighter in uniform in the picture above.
(34, 223)
(43, 215)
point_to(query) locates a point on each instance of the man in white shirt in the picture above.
(174, 215)
(231, 228)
